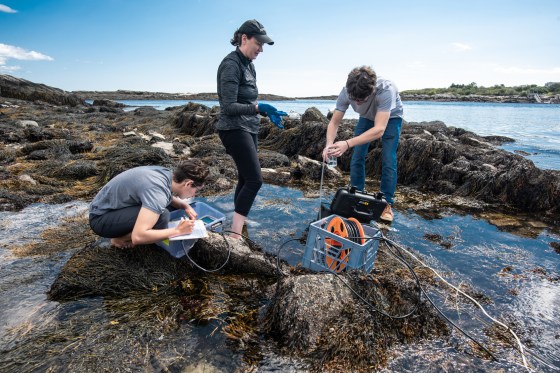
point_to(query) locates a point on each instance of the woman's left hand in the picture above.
(190, 212)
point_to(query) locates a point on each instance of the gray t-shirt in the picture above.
(386, 98)
(146, 186)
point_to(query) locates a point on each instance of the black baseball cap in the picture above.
(256, 29)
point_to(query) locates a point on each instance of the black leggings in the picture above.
(242, 147)
(117, 223)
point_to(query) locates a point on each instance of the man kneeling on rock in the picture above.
(133, 207)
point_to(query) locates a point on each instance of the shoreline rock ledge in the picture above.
(59, 142)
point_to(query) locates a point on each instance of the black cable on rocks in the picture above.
(210, 270)
(389, 243)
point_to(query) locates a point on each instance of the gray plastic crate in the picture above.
(346, 254)
(178, 248)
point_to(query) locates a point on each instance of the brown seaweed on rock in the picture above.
(317, 316)
(129, 154)
(100, 269)
(448, 165)
(196, 120)
(314, 316)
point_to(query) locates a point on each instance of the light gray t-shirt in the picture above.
(386, 98)
(146, 186)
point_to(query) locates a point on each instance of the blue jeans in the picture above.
(389, 143)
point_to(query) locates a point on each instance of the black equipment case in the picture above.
(352, 203)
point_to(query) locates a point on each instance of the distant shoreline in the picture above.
(143, 95)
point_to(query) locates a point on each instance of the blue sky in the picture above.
(176, 46)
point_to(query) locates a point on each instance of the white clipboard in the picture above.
(199, 231)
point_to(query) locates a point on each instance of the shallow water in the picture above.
(527, 293)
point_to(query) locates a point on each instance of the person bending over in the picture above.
(379, 105)
(133, 207)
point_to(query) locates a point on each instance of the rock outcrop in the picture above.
(21, 89)
(433, 158)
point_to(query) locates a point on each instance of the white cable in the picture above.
(321, 190)
(521, 350)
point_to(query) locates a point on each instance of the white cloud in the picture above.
(6, 9)
(10, 52)
(461, 47)
(9, 69)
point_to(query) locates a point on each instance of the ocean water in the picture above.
(534, 127)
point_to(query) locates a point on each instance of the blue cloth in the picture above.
(273, 114)
(267, 109)
(389, 143)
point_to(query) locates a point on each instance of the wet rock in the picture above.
(314, 115)
(129, 155)
(77, 170)
(27, 179)
(27, 123)
(34, 134)
(235, 256)
(105, 109)
(467, 165)
(301, 306)
(271, 159)
(521, 152)
(311, 169)
(55, 149)
(25, 90)
(108, 103)
(196, 120)
(318, 316)
(156, 136)
(7, 155)
(273, 176)
(100, 269)
(434, 159)
(145, 111)
(167, 147)
(306, 139)
(498, 140)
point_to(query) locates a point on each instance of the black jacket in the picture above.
(237, 92)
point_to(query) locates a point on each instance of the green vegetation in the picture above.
(496, 90)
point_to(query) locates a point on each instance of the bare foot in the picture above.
(235, 236)
(121, 242)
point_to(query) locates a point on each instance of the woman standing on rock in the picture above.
(132, 208)
(238, 125)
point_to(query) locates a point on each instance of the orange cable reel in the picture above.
(338, 227)
(360, 231)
